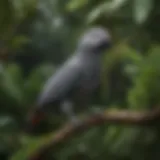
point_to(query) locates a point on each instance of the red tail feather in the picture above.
(36, 118)
(33, 120)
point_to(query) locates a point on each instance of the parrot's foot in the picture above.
(67, 108)
(76, 121)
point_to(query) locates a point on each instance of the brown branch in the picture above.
(147, 118)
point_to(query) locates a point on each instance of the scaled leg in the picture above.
(67, 108)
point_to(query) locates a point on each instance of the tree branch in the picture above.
(147, 118)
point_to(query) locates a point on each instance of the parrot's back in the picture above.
(74, 81)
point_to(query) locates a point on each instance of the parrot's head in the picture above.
(95, 40)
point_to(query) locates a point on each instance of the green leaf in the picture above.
(23, 7)
(76, 4)
(31, 146)
(35, 81)
(10, 80)
(141, 10)
(18, 41)
(146, 91)
(7, 124)
(107, 8)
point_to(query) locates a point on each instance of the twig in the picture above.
(147, 118)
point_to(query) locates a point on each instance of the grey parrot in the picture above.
(75, 82)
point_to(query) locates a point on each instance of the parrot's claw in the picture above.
(75, 121)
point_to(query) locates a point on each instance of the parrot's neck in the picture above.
(89, 55)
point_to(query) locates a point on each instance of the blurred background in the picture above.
(36, 36)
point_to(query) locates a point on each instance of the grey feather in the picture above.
(61, 83)
(80, 72)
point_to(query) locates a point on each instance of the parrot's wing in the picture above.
(61, 84)
(58, 87)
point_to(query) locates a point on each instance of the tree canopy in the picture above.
(36, 36)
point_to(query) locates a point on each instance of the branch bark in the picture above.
(145, 118)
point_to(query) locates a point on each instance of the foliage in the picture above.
(39, 35)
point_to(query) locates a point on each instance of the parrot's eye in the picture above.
(103, 46)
